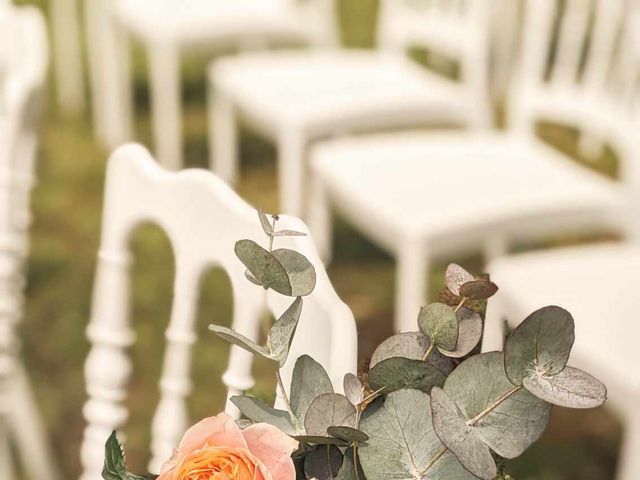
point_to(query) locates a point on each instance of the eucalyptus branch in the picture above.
(273, 232)
(428, 352)
(285, 398)
(508, 394)
(464, 299)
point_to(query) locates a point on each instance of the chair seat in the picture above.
(207, 20)
(435, 185)
(330, 89)
(599, 286)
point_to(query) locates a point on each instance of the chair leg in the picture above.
(29, 432)
(493, 335)
(164, 63)
(319, 218)
(411, 284)
(223, 137)
(111, 91)
(291, 170)
(68, 63)
(629, 461)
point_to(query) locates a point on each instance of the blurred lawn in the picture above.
(67, 205)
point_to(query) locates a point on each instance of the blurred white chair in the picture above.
(419, 195)
(67, 53)
(203, 219)
(598, 285)
(167, 28)
(23, 66)
(296, 97)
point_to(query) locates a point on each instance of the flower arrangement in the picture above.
(429, 407)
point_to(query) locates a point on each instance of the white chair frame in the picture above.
(456, 29)
(586, 102)
(203, 219)
(23, 61)
(110, 27)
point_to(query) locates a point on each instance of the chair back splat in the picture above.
(203, 219)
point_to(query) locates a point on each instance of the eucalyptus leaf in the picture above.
(259, 412)
(397, 373)
(570, 388)
(264, 267)
(264, 221)
(402, 444)
(348, 434)
(329, 410)
(350, 462)
(469, 333)
(353, 389)
(411, 345)
(309, 380)
(289, 233)
(480, 289)
(439, 322)
(282, 332)
(507, 418)
(320, 440)
(302, 275)
(541, 345)
(251, 278)
(240, 340)
(455, 277)
(323, 462)
(454, 432)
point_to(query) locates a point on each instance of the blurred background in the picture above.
(64, 241)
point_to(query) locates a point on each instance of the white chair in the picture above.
(296, 97)
(419, 195)
(23, 66)
(167, 28)
(598, 285)
(203, 219)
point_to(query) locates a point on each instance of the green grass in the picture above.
(67, 205)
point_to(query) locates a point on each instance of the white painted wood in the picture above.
(483, 190)
(203, 219)
(23, 63)
(331, 91)
(68, 64)
(169, 28)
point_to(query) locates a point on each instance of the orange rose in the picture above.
(216, 449)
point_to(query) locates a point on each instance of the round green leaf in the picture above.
(348, 434)
(353, 389)
(455, 277)
(507, 418)
(439, 322)
(397, 373)
(323, 462)
(350, 462)
(258, 411)
(265, 268)
(540, 345)
(469, 333)
(402, 444)
(302, 275)
(478, 289)
(411, 345)
(309, 380)
(570, 388)
(281, 333)
(454, 432)
(329, 410)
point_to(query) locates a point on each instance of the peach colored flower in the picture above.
(216, 449)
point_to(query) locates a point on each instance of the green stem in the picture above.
(355, 459)
(464, 299)
(273, 232)
(428, 352)
(508, 394)
(433, 461)
(283, 392)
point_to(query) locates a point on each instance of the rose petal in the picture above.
(220, 430)
(273, 448)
